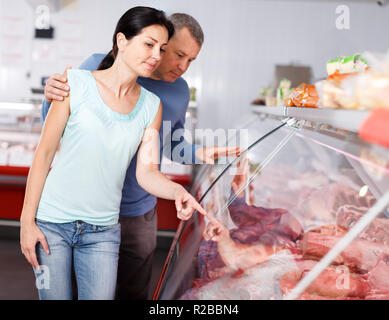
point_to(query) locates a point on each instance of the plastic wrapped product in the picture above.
(338, 91)
(372, 90)
(303, 96)
(357, 90)
(334, 65)
(360, 64)
(283, 91)
(347, 65)
(354, 63)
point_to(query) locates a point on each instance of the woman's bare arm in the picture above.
(51, 135)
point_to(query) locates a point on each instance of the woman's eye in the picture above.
(149, 44)
(163, 50)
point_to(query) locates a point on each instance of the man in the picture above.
(137, 211)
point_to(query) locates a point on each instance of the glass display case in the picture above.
(303, 214)
(20, 128)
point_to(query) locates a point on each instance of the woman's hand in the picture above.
(186, 204)
(30, 235)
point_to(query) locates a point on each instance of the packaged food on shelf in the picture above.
(305, 95)
(265, 97)
(337, 92)
(283, 91)
(354, 63)
(372, 90)
(366, 89)
(334, 65)
(271, 101)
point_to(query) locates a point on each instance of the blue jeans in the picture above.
(94, 251)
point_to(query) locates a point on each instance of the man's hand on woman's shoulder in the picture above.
(56, 87)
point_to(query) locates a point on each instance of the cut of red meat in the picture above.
(253, 221)
(377, 231)
(317, 245)
(378, 277)
(338, 282)
(243, 215)
(289, 226)
(331, 230)
(333, 282)
(362, 255)
(210, 264)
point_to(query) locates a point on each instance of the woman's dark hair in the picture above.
(131, 24)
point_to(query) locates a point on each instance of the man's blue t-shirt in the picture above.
(175, 99)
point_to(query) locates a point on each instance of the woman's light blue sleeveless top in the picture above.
(86, 180)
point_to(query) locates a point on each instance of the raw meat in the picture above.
(361, 255)
(261, 232)
(377, 231)
(210, 264)
(256, 283)
(378, 277)
(333, 282)
(257, 220)
(242, 261)
(331, 230)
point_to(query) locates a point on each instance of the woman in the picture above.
(72, 211)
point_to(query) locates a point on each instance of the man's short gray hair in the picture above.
(183, 20)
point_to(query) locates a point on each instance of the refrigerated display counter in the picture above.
(20, 128)
(303, 214)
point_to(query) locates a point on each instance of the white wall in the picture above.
(244, 39)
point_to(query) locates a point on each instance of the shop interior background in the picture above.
(244, 40)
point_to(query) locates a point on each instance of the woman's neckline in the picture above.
(119, 114)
